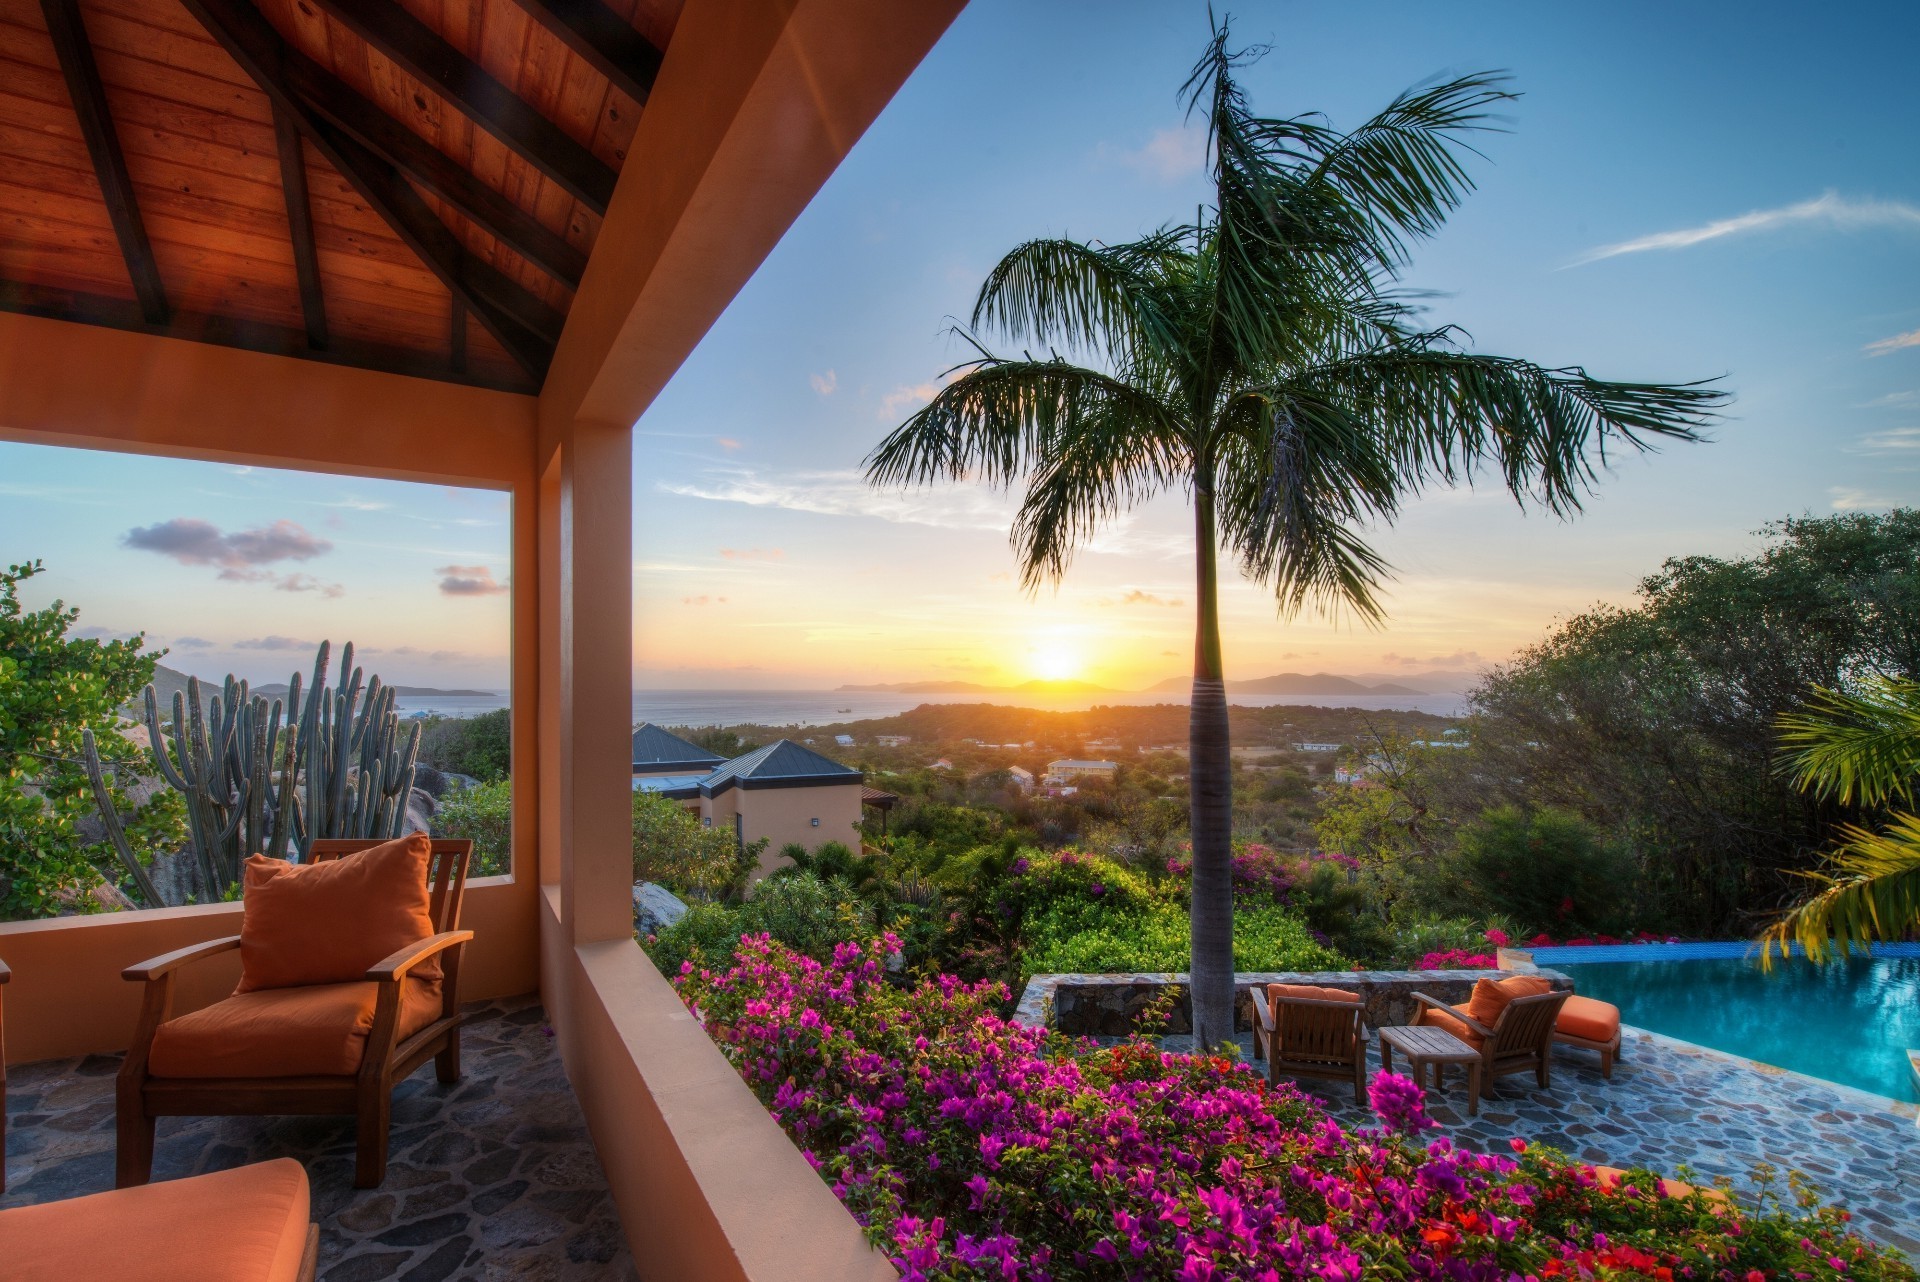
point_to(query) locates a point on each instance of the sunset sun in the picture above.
(1054, 660)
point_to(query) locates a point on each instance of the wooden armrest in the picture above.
(393, 968)
(166, 963)
(1455, 1013)
(1262, 1008)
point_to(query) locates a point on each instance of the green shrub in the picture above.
(479, 746)
(1416, 937)
(800, 910)
(1265, 938)
(484, 815)
(671, 846)
(1544, 870)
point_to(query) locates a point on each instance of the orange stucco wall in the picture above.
(786, 815)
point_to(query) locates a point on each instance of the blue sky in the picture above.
(1752, 167)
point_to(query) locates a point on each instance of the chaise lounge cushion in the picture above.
(285, 1032)
(1277, 992)
(248, 1224)
(1589, 1020)
(327, 923)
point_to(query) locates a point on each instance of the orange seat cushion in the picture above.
(327, 923)
(1589, 1020)
(1490, 996)
(285, 1032)
(1439, 1018)
(248, 1224)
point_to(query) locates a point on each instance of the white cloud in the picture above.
(1892, 400)
(824, 383)
(1888, 346)
(1848, 499)
(1892, 441)
(1832, 210)
(1168, 156)
(846, 493)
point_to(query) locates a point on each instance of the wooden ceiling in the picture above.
(412, 187)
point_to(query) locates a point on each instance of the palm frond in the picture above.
(1547, 431)
(1856, 748)
(1872, 892)
(1111, 298)
(1294, 477)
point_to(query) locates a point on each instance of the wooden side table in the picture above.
(1424, 1045)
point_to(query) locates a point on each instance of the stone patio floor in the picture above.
(1672, 1104)
(490, 1178)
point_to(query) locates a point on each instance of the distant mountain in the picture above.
(1427, 682)
(168, 680)
(970, 687)
(278, 690)
(1291, 683)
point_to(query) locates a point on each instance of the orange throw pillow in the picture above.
(1276, 991)
(327, 923)
(1490, 996)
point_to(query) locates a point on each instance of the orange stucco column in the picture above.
(593, 671)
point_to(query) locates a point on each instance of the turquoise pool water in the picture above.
(1848, 1022)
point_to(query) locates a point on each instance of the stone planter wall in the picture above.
(1109, 1005)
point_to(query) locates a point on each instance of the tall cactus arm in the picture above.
(287, 803)
(110, 820)
(157, 741)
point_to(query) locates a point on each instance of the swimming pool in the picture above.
(1850, 1022)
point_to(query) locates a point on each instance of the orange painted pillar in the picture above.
(594, 654)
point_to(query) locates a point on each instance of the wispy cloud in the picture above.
(1846, 498)
(1832, 210)
(846, 493)
(901, 401)
(824, 383)
(1892, 400)
(468, 580)
(1139, 596)
(1896, 440)
(754, 554)
(726, 443)
(241, 556)
(192, 643)
(1458, 659)
(276, 643)
(1173, 153)
(703, 599)
(1888, 346)
(307, 583)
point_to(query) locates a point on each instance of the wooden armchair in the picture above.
(1311, 1032)
(1521, 1038)
(301, 1050)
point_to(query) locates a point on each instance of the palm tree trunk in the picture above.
(1210, 784)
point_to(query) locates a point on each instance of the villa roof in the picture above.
(781, 764)
(656, 749)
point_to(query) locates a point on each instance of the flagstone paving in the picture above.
(491, 1178)
(1673, 1104)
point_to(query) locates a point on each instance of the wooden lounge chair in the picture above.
(1305, 1031)
(325, 1048)
(248, 1224)
(1518, 1038)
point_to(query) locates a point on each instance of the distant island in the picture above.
(1279, 683)
(168, 680)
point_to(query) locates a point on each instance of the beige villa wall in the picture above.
(786, 815)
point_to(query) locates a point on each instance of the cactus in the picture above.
(253, 786)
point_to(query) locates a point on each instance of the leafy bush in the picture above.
(1543, 870)
(484, 815)
(479, 746)
(671, 846)
(802, 911)
(1417, 937)
(1320, 889)
(973, 1148)
(1068, 940)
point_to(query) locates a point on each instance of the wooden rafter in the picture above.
(433, 169)
(82, 75)
(421, 52)
(606, 40)
(457, 338)
(525, 325)
(306, 261)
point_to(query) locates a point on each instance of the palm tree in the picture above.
(1859, 749)
(1262, 362)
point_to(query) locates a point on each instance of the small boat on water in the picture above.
(843, 709)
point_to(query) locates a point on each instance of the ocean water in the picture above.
(824, 707)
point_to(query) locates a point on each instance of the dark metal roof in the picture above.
(875, 797)
(782, 762)
(654, 748)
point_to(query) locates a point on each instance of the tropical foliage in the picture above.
(483, 814)
(1861, 749)
(973, 1148)
(1262, 362)
(55, 688)
(672, 847)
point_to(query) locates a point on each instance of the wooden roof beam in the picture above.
(421, 52)
(525, 325)
(306, 261)
(433, 169)
(606, 40)
(82, 74)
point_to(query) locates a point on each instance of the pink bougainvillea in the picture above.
(970, 1147)
(1458, 959)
